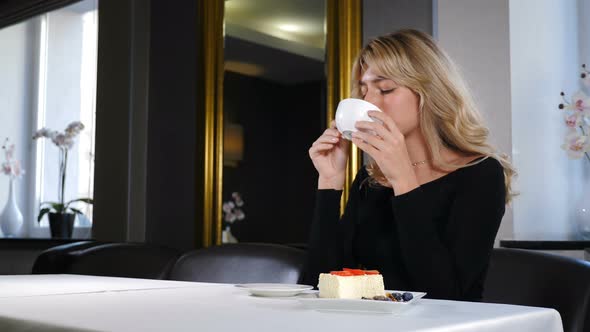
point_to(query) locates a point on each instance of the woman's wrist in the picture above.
(336, 182)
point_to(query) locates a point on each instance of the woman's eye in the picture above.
(384, 92)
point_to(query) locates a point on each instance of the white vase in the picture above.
(11, 219)
(582, 214)
(227, 236)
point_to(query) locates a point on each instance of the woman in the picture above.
(426, 208)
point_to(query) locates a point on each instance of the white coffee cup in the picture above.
(350, 111)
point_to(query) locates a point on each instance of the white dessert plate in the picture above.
(275, 290)
(374, 306)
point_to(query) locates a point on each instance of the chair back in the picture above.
(132, 260)
(241, 263)
(55, 259)
(532, 278)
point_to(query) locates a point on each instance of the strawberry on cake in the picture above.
(351, 284)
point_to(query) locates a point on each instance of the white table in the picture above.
(84, 303)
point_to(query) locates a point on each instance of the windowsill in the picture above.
(34, 243)
(43, 232)
(546, 244)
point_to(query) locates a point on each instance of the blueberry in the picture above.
(407, 296)
(397, 296)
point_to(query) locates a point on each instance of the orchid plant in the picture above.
(577, 120)
(11, 166)
(232, 209)
(64, 141)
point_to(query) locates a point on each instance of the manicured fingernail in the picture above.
(334, 139)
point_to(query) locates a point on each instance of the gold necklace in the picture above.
(419, 163)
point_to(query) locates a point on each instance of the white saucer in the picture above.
(275, 290)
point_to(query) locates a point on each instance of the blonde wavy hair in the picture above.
(448, 115)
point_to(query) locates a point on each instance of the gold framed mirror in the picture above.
(342, 28)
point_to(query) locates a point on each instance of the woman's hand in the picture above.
(386, 145)
(329, 154)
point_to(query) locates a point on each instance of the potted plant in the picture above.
(61, 213)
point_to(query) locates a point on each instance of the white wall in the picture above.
(386, 16)
(584, 30)
(476, 36)
(545, 61)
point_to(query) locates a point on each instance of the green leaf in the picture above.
(76, 211)
(48, 203)
(85, 200)
(58, 207)
(42, 212)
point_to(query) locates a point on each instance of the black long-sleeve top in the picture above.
(436, 238)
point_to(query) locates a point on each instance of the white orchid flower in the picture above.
(573, 120)
(11, 166)
(576, 145)
(227, 207)
(6, 169)
(63, 140)
(231, 209)
(580, 102)
(74, 129)
(17, 170)
(230, 217)
(10, 152)
(41, 133)
(69, 142)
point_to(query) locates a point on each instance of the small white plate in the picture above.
(275, 290)
(325, 304)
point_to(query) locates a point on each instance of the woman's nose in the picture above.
(372, 98)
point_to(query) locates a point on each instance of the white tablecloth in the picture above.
(53, 284)
(119, 304)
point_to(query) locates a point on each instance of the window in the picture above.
(50, 65)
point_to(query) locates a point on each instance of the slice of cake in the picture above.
(351, 284)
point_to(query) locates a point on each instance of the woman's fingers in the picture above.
(332, 132)
(318, 148)
(376, 141)
(373, 127)
(363, 145)
(326, 139)
(387, 121)
(322, 147)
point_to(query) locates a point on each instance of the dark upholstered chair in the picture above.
(241, 263)
(133, 260)
(532, 278)
(56, 259)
